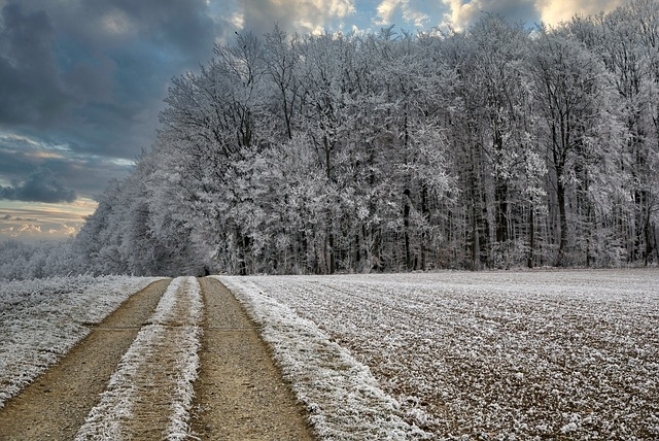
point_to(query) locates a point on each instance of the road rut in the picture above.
(240, 394)
(56, 404)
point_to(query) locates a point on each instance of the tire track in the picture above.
(149, 395)
(56, 404)
(240, 394)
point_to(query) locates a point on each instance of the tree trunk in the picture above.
(426, 216)
(501, 211)
(330, 249)
(562, 245)
(529, 260)
(500, 197)
(406, 227)
(648, 239)
(475, 236)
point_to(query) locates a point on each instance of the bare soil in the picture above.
(56, 404)
(240, 394)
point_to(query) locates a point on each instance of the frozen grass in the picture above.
(159, 369)
(41, 319)
(344, 401)
(501, 355)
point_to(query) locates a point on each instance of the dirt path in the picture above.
(148, 396)
(153, 411)
(239, 393)
(57, 403)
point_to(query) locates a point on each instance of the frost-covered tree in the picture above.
(576, 127)
(491, 147)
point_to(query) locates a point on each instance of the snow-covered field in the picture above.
(41, 319)
(495, 355)
(344, 400)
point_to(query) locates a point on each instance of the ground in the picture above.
(239, 394)
(565, 355)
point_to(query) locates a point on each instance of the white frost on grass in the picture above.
(173, 330)
(498, 355)
(344, 401)
(41, 319)
(187, 342)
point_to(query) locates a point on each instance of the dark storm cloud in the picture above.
(40, 186)
(92, 75)
(88, 174)
(30, 88)
(61, 56)
(7, 217)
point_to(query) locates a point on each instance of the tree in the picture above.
(576, 122)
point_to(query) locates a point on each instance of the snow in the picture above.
(344, 401)
(173, 332)
(493, 355)
(41, 319)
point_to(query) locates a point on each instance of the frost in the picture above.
(493, 355)
(343, 399)
(41, 319)
(174, 333)
(570, 427)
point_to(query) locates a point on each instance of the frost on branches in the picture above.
(494, 147)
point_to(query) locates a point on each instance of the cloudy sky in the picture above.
(82, 81)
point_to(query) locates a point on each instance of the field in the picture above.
(41, 319)
(500, 355)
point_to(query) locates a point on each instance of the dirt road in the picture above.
(239, 394)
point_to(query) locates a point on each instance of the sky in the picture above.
(82, 81)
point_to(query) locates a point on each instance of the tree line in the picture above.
(495, 147)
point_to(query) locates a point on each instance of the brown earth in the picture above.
(239, 392)
(56, 404)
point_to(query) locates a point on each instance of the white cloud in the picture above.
(292, 15)
(557, 11)
(35, 231)
(238, 20)
(28, 229)
(337, 8)
(387, 9)
(37, 221)
(63, 230)
(460, 15)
